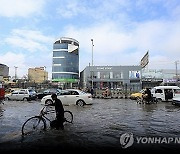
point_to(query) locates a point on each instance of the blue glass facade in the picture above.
(65, 66)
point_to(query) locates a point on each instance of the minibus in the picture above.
(165, 93)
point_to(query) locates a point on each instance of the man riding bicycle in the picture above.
(147, 95)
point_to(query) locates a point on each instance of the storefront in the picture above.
(113, 77)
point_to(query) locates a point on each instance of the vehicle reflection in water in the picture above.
(95, 126)
(1, 110)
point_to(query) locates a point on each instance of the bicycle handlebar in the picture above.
(44, 110)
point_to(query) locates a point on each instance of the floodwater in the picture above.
(99, 127)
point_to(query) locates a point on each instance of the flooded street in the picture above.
(95, 127)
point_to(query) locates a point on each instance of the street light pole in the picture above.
(92, 63)
(15, 76)
(44, 73)
(176, 62)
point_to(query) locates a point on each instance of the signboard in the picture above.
(145, 60)
(152, 74)
(104, 68)
(65, 80)
(134, 75)
(169, 80)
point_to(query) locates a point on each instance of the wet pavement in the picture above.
(96, 127)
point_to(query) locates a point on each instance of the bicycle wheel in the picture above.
(139, 100)
(68, 116)
(33, 124)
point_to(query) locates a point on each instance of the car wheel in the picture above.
(48, 102)
(6, 99)
(80, 103)
(25, 99)
(159, 100)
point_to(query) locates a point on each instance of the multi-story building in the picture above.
(113, 77)
(130, 77)
(154, 77)
(37, 74)
(65, 64)
(4, 72)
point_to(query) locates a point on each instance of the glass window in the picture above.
(32, 91)
(57, 69)
(153, 90)
(61, 61)
(56, 61)
(111, 75)
(46, 91)
(64, 76)
(22, 92)
(158, 91)
(63, 92)
(74, 93)
(66, 41)
(117, 75)
(52, 90)
(60, 46)
(104, 75)
(98, 75)
(177, 91)
(59, 53)
(68, 64)
(14, 93)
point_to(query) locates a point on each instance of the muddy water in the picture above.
(98, 126)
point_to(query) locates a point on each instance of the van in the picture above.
(165, 93)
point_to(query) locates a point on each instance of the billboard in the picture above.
(145, 60)
(134, 75)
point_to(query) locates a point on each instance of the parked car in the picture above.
(70, 96)
(22, 94)
(46, 92)
(137, 95)
(176, 101)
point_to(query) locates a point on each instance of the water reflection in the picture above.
(99, 124)
(1, 111)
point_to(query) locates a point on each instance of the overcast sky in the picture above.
(122, 30)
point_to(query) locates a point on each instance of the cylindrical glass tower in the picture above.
(65, 64)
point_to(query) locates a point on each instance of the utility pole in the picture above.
(44, 73)
(176, 62)
(15, 76)
(92, 63)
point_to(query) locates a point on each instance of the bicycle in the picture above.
(142, 100)
(2, 102)
(38, 123)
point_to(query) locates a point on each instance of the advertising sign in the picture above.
(145, 60)
(134, 75)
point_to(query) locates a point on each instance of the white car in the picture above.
(22, 94)
(70, 96)
(176, 101)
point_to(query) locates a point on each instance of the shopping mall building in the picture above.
(132, 78)
(113, 77)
